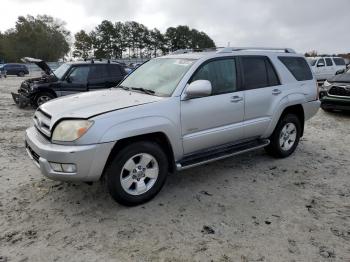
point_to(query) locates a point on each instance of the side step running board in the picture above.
(220, 153)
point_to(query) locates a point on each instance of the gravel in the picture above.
(247, 208)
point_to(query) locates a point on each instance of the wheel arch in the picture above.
(157, 137)
(297, 110)
(45, 90)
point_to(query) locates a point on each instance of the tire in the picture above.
(42, 98)
(280, 146)
(131, 188)
(21, 74)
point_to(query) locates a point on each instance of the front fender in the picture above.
(143, 126)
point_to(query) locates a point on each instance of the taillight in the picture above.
(318, 91)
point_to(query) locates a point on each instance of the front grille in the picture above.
(339, 91)
(42, 122)
(33, 154)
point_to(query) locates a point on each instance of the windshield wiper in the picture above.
(123, 87)
(146, 91)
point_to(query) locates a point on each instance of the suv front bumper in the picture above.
(20, 100)
(89, 160)
(334, 102)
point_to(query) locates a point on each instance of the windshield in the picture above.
(61, 70)
(160, 76)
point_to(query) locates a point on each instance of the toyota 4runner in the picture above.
(173, 113)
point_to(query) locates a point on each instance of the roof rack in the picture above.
(92, 60)
(233, 49)
(194, 50)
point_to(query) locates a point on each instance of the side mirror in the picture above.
(339, 72)
(199, 88)
(320, 65)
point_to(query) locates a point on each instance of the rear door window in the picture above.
(258, 72)
(98, 72)
(298, 67)
(329, 62)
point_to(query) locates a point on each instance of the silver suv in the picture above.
(173, 113)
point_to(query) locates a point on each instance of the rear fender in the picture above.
(290, 100)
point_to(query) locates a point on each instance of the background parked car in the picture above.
(335, 92)
(15, 69)
(2, 71)
(69, 78)
(326, 67)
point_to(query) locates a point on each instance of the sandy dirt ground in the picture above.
(247, 208)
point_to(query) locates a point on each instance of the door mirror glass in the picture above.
(199, 88)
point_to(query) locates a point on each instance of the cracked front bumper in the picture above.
(20, 100)
(90, 160)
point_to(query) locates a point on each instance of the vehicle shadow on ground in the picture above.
(181, 188)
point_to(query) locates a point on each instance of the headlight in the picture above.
(326, 84)
(70, 130)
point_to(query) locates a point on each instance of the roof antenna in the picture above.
(228, 44)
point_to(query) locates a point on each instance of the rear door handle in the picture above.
(236, 99)
(276, 92)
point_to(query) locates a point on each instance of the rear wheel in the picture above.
(285, 137)
(137, 173)
(42, 98)
(21, 74)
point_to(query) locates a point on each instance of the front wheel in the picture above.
(137, 173)
(42, 98)
(286, 136)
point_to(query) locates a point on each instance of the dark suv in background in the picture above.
(69, 78)
(14, 69)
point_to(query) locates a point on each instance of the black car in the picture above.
(335, 93)
(69, 78)
(14, 69)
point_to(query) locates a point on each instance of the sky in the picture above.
(304, 25)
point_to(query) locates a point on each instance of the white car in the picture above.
(325, 68)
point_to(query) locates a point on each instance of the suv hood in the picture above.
(40, 63)
(89, 104)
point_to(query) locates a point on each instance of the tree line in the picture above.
(132, 39)
(41, 37)
(47, 38)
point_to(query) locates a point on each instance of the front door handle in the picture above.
(276, 92)
(236, 99)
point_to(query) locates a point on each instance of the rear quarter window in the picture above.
(339, 61)
(298, 67)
